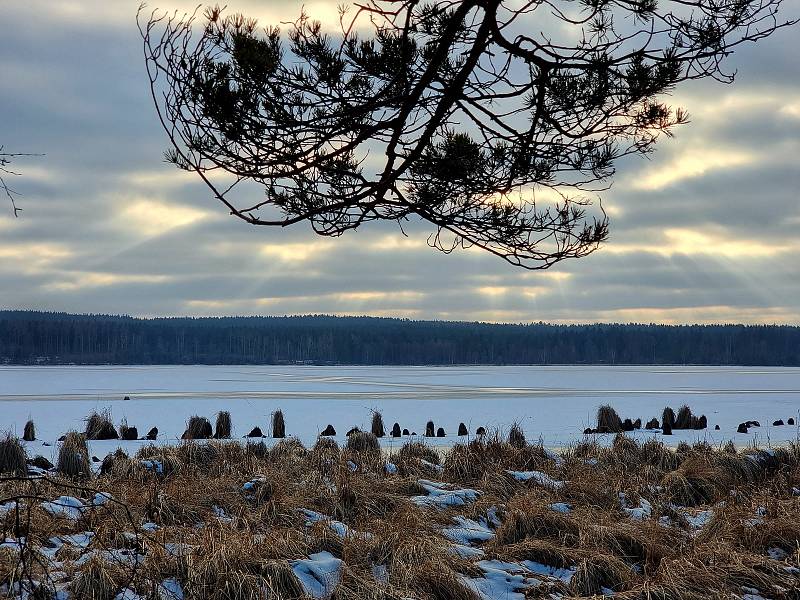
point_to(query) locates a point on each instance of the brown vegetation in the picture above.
(278, 425)
(29, 433)
(73, 456)
(13, 459)
(100, 427)
(227, 520)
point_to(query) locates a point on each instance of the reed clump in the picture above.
(73, 456)
(13, 459)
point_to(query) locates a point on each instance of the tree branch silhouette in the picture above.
(498, 125)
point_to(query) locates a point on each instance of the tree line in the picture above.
(60, 338)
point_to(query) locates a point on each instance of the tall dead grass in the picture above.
(278, 425)
(73, 456)
(100, 427)
(13, 459)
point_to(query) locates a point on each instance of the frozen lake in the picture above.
(554, 403)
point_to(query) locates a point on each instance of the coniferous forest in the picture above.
(60, 338)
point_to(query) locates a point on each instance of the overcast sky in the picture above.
(704, 231)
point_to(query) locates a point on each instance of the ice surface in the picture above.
(554, 403)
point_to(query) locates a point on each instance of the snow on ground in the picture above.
(468, 531)
(319, 574)
(443, 495)
(542, 479)
(552, 404)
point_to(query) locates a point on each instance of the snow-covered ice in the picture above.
(551, 403)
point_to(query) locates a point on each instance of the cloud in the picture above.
(705, 230)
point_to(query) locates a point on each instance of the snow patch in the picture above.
(319, 574)
(441, 495)
(468, 531)
(170, 589)
(542, 479)
(68, 507)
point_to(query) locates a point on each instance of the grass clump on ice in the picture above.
(278, 425)
(100, 427)
(223, 427)
(608, 421)
(197, 428)
(13, 459)
(29, 433)
(73, 456)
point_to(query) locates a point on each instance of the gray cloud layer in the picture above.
(705, 231)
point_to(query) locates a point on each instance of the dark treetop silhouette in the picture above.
(496, 124)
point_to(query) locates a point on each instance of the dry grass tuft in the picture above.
(223, 427)
(290, 449)
(685, 418)
(418, 450)
(280, 580)
(257, 450)
(278, 425)
(598, 572)
(12, 456)
(94, 582)
(516, 437)
(435, 581)
(197, 428)
(73, 456)
(545, 552)
(656, 454)
(29, 433)
(363, 441)
(100, 427)
(608, 420)
(126, 432)
(377, 425)
(536, 522)
(692, 484)
(198, 456)
(117, 463)
(668, 419)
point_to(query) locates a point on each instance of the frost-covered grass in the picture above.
(226, 521)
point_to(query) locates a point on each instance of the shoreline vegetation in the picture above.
(491, 518)
(31, 338)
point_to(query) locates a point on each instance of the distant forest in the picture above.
(60, 338)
